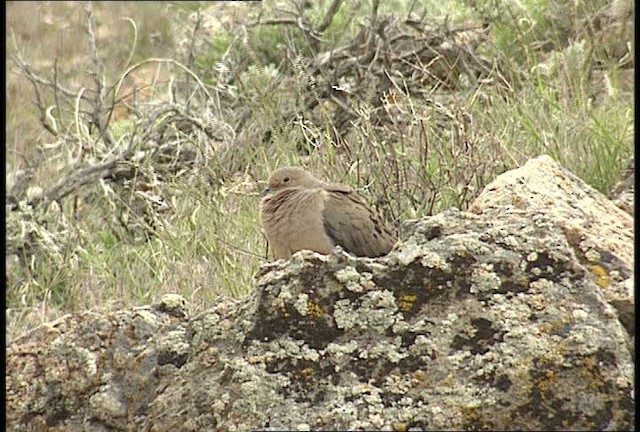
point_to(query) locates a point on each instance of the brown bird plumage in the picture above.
(300, 211)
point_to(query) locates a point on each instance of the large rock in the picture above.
(91, 371)
(475, 321)
(599, 232)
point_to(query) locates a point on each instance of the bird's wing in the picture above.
(350, 223)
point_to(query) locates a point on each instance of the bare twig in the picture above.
(328, 18)
(99, 102)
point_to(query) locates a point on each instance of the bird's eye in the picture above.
(285, 180)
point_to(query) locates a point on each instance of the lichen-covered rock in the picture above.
(475, 321)
(600, 233)
(91, 370)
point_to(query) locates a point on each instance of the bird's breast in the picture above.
(292, 221)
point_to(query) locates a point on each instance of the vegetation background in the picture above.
(138, 133)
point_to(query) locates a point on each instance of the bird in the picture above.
(299, 211)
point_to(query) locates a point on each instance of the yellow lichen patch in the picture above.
(418, 375)
(545, 385)
(470, 413)
(400, 426)
(282, 307)
(406, 302)
(602, 276)
(592, 374)
(314, 310)
(449, 381)
(304, 374)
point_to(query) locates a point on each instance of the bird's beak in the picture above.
(265, 192)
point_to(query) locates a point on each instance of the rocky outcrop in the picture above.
(489, 320)
(599, 232)
(91, 371)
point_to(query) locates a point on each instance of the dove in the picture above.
(299, 212)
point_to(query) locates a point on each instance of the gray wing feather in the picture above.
(350, 223)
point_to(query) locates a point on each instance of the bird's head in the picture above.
(288, 177)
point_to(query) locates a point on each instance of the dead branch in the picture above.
(409, 52)
(100, 115)
(113, 170)
(167, 135)
(328, 18)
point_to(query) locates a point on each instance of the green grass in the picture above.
(438, 153)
